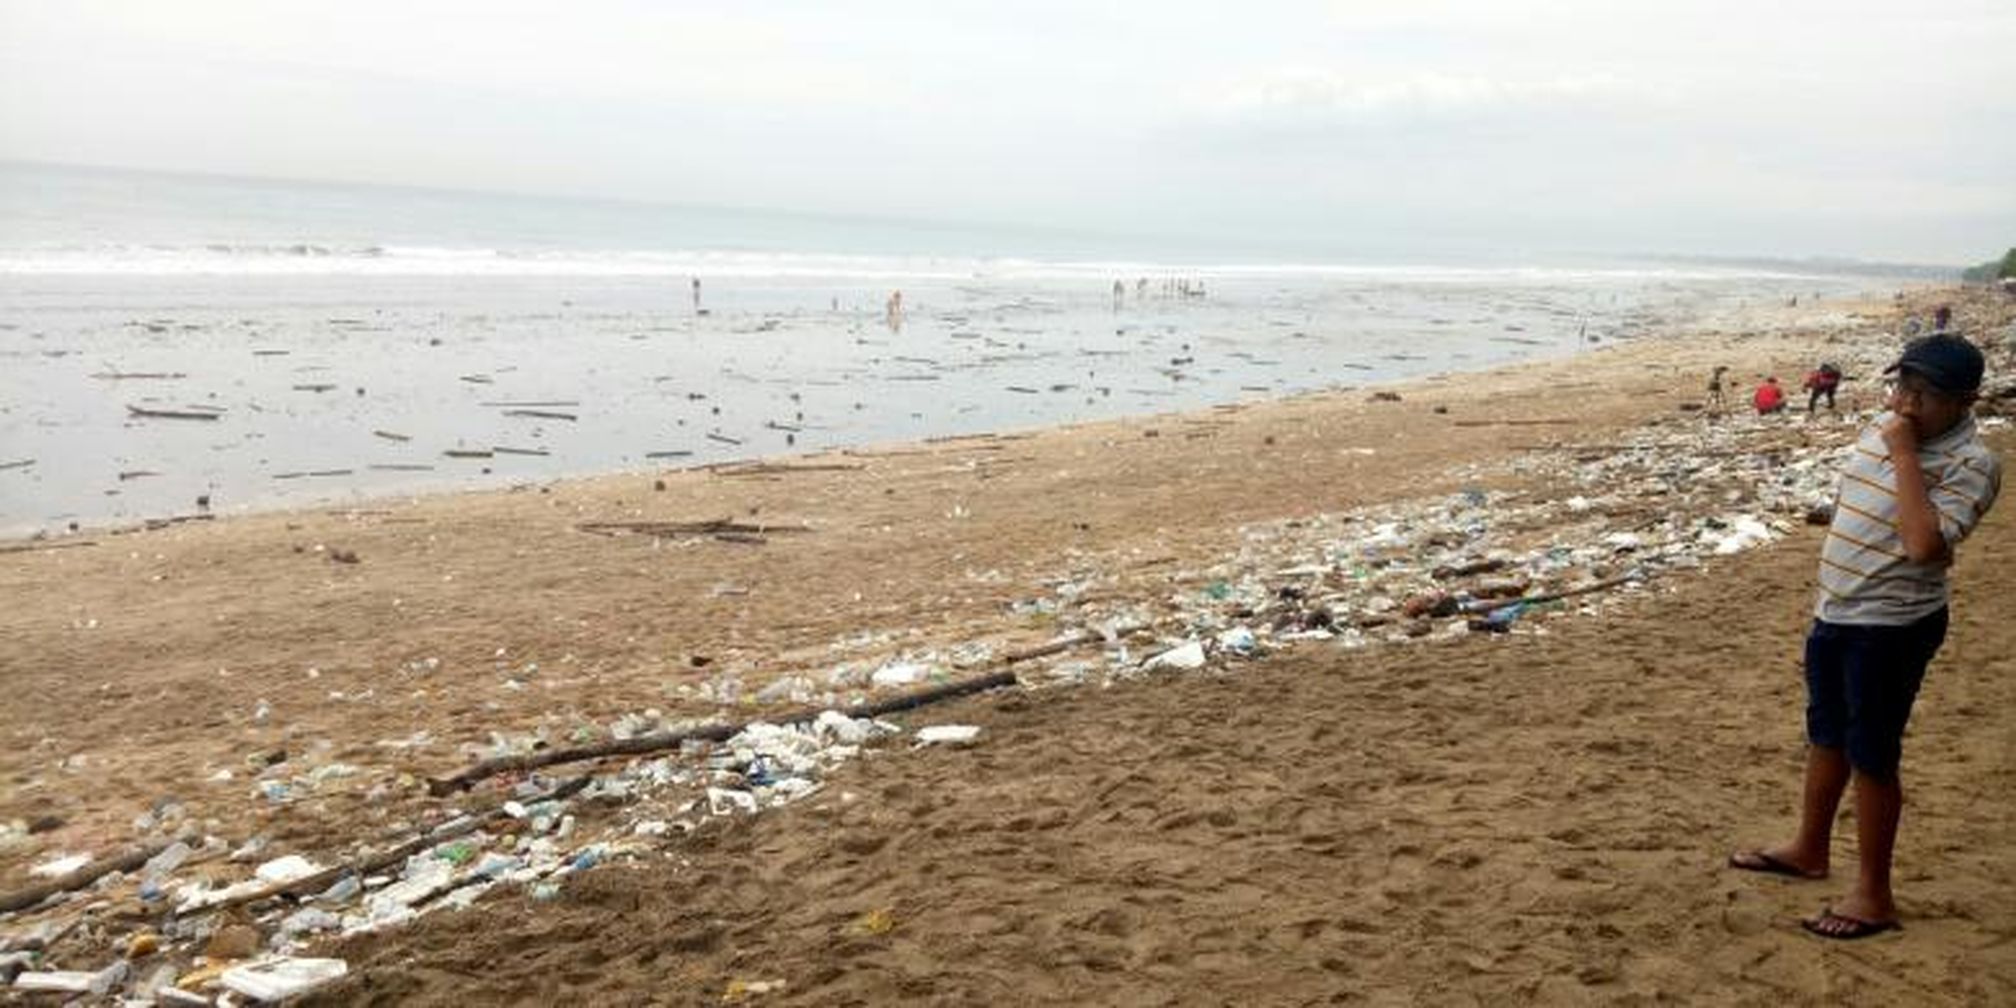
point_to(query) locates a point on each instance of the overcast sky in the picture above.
(1878, 130)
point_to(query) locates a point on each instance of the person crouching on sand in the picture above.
(1916, 484)
(1769, 397)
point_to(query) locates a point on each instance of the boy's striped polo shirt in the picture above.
(1865, 577)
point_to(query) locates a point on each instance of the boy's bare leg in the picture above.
(1879, 804)
(1826, 778)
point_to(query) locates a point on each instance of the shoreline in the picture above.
(338, 407)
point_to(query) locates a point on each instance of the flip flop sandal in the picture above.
(1758, 861)
(1856, 929)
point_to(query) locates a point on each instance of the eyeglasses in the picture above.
(1896, 389)
(1919, 392)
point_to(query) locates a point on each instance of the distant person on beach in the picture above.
(894, 310)
(1119, 293)
(1717, 399)
(696, 294)
(1822, 381)
(1917, 483)
(1769, 397)
(1942, 319)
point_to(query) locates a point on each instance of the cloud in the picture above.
(1319, 94)
(1565, 120)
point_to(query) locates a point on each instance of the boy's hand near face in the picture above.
(1917, 522)
(1900, 434)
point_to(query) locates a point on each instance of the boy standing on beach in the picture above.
(1917, 482)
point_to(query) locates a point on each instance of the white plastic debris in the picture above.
(1238, 640)
(790, 789)
(276, 979)
(197, 895)
(493, 865)
(631, 726)
(168, 860)
(724, 801)
(843, 729)
(342, 891)
(285, 869)
(794, 688)
(1303, 570)
(61, 865)
(111, 978)
(1188, 656)
(1744, 533)
(425, 877)
(66, 981)
(303, 921)
(466, 896)
(948, 734)
(899, 674)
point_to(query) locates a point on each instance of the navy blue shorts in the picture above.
(1860, 683)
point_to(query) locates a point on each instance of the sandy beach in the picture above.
(1535, 816)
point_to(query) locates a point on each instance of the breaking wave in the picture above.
(316, 258)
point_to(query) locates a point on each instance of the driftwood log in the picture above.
(170, 414)
(660, 741)
(28, 896)
(37, 547)
(780, 468)
(667, 529)
(369, 863)
(1605, 585)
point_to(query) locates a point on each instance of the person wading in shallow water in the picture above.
(1917, 482)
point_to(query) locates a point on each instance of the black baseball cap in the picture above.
(1949, 362)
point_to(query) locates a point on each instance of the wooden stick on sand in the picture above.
(370, 863)
(1497, 604)
(28, 896)
(658, 741)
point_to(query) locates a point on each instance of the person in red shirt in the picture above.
(1822, 382)
(1769, 398)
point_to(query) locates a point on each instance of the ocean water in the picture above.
(344, 343)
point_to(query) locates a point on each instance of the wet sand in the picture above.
(1539, 817)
